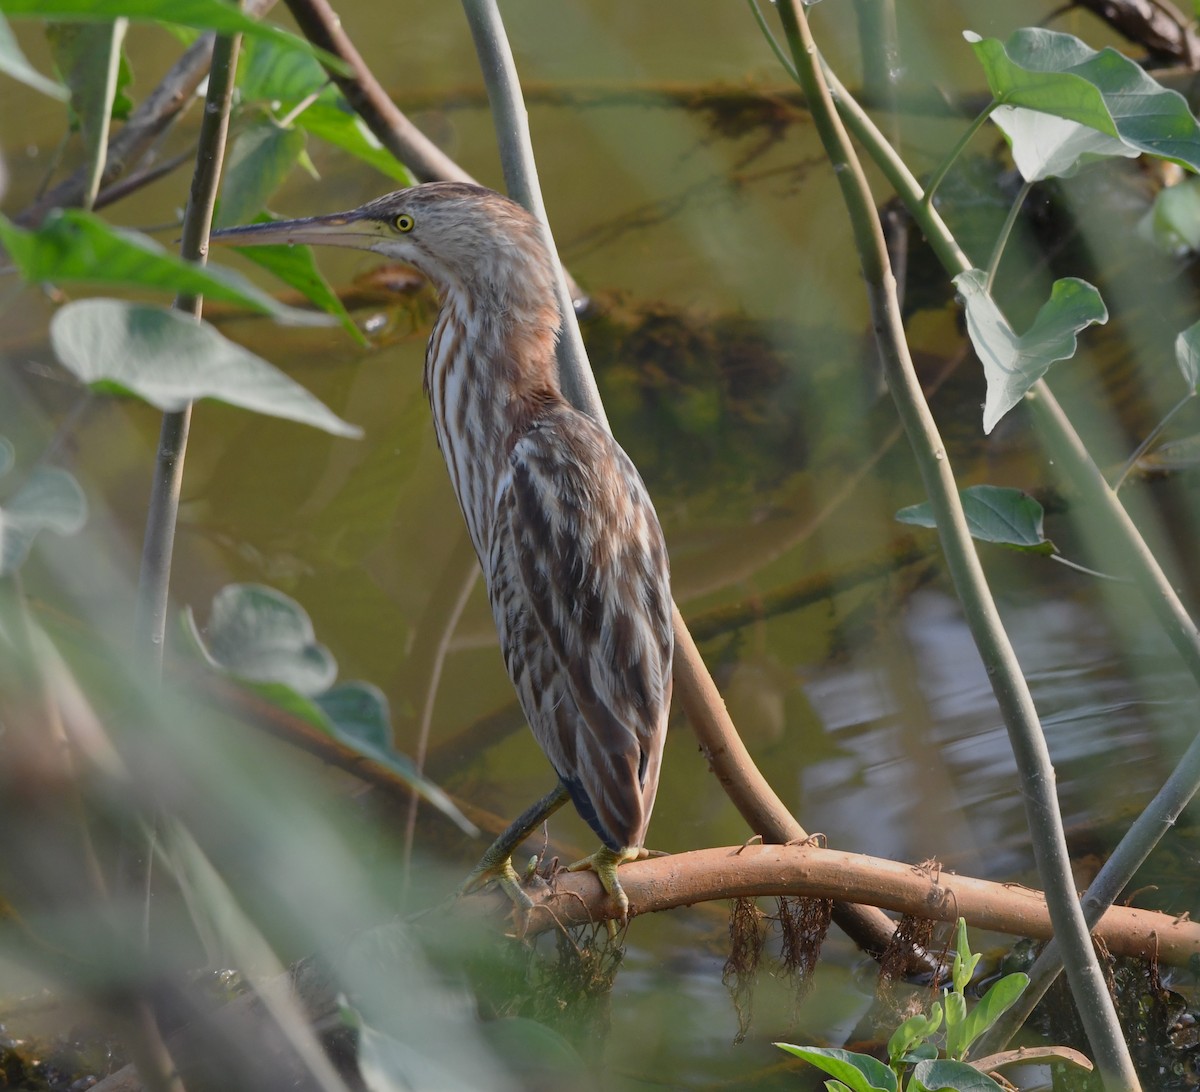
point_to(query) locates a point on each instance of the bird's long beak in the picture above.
(349, 229)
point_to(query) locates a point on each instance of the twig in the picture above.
(320, 25)
(1012, 692)
(752, 871)
(450, 622)
(159, 542)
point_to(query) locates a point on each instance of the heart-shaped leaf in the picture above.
(261, 635)
(951, 1076)
(168, 359)
(1045, 146)
(49, 500)
(359, 717)
(1012, 363)
(1058, 74)
(993, 513)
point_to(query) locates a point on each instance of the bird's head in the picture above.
(471, 242)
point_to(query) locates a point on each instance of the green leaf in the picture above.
(956, 1015)
(1172, 223)
(1058, 74)
(964, 962)
(296, 266)
(1012, 363)
(944, 1073)
(49, 500)
(215, 15)
(260, 159)
(1187, 355)
(913, 1032)
(837, 1086)
(860, 1072)
(15, 64)
(261, 635)
(1002, 995)
(265, 638)
(168, 359)
(89, 57)
(1016, 80)
(341, 127)
(269, 73)
(78, 247)
(1044, 146)
(994, 513)
(358, 716)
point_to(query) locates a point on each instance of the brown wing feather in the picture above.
(580, 590)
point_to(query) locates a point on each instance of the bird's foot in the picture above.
(502, 872)
(604, 863)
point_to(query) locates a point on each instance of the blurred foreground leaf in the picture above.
(78, 247)
(1173, 222)
(262, 636)
(1013, 362)
(168, 359)
(1008, 517)
(1187, 355)
(48, 500)
(214, 15)
(1177, 455)
(15, 64)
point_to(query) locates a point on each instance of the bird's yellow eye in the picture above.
(404, 222)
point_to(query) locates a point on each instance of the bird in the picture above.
(571, 548)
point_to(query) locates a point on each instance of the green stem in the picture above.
(521, 177)
(784, 60)
(1070, 458)
(1002, 238)
(958, 150)
(1154, 434)
(1012, 692)
(154, 580)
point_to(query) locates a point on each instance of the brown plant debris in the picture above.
(803, 924)
(746, 936)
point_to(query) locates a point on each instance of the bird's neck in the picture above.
(488, 373)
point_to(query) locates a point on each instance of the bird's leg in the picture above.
(496, 863)
(604, 863)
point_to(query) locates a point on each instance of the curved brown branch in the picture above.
(663, 883)
(320, 24)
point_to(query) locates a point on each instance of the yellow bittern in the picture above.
(562, 524)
